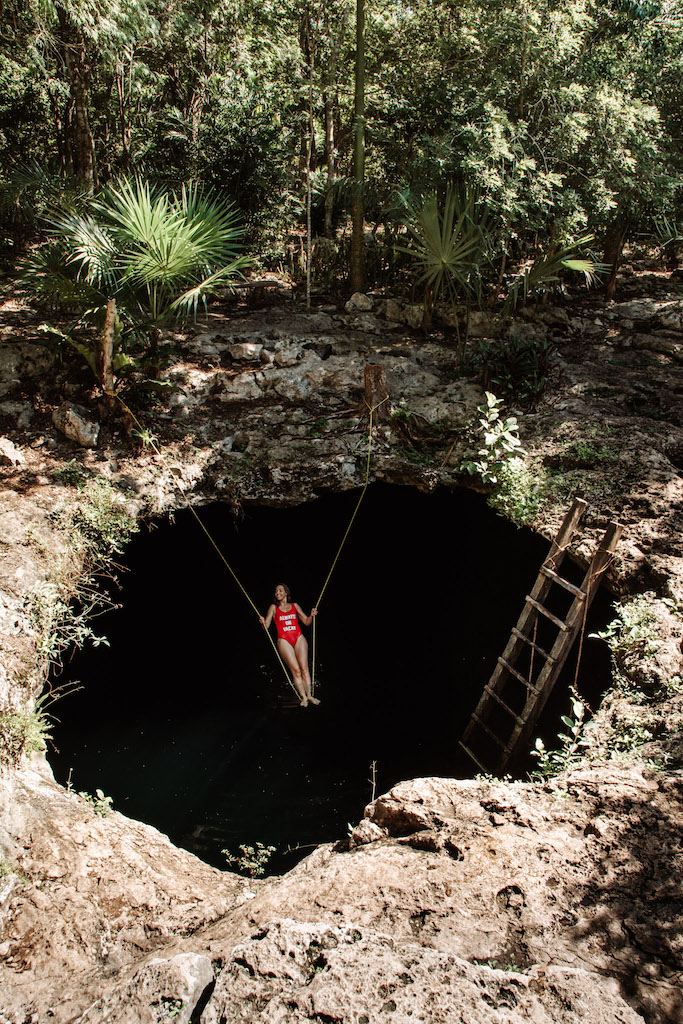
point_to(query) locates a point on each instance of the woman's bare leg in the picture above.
(301, 652)
(289, 657)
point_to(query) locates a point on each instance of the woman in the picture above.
(291, 642)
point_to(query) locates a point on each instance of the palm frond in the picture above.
(545, 270)
(448, 243)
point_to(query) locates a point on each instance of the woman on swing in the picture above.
(291, 642)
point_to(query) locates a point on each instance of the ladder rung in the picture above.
(492, 693)
(492, 734)
(532, 643)
(549, 615)
(576, 591)
(517, 675)
(475, 759)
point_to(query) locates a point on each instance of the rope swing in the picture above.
(148, 439)
(372, 409)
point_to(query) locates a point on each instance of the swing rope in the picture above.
(147, 438)
(372, 409)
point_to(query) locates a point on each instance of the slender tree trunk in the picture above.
(329, 96)
(106, 356)
(613, 248)
(78, 68)
(375, 393)
(358, 206)
(309, 155)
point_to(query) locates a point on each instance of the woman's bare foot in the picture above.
(304, 702)
(313, 700)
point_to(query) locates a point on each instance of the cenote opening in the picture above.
(186, 721)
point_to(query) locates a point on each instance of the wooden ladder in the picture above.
(505, 731)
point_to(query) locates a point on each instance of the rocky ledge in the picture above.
(476, 901)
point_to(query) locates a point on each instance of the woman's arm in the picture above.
(269, 617)
(306, 619)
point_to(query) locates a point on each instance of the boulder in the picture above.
(359, 303)
(245, 352)
(10, 455)
(74, 423)
(393, 311)
(290, 972)
(413, 316)
(162, 990)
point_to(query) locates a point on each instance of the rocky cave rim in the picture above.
(168, 519)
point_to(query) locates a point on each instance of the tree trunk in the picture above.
(614, 245)
(78, 68)
(106, 356)
(358, 207)
(329, 95)
(375, 393)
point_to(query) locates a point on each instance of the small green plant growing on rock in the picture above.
(631, 632)
(515, 368)
(101, 804)
(251, 860)
(23, 731)
(500, 441)
(572, 743)
(517, 494)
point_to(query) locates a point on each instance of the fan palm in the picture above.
(543, 274)
(155, 255)
(448, 244)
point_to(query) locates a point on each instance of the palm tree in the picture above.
(543, 274)
(136, 259)
(448, 244)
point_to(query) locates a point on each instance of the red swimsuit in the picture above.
(287, 625)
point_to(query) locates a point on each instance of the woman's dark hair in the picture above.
(287, 591)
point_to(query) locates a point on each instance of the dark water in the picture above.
(186, 720)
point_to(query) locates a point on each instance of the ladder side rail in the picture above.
(524, 624)
(539, 592)
(564, 643)
(564, 535)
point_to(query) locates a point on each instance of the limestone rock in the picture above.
(393, 311)
(292, 972)
(246, 352)
(413, 316)
(161, 990)
(74, 422)
(10, 455)
(359, 303)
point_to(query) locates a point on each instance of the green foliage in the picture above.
(98, 526)
(24, 731)
(500, 441)
(516, 494)
(542, 276)
(251, 860)
(101, 804)
(515, 369)
(55, 624)
(157, 253)
(632, 631)
(448, 244)
(96, 518)
(572, 743)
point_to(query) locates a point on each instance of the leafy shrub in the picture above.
(500, 441)
(572, 743)
(23, 731)
(251, 860)
(515, 368)
(516, 495)
(632, 631)
(101, 804)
